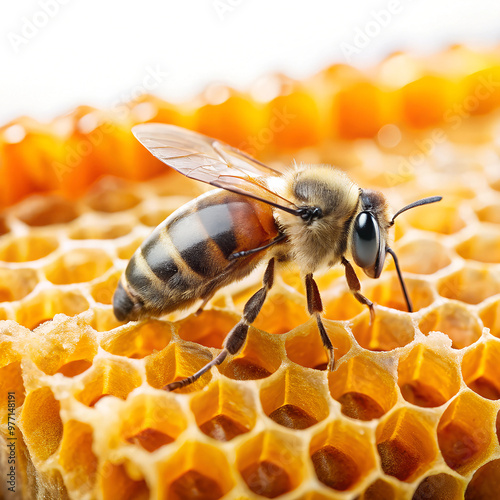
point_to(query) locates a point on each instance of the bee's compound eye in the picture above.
(366, 242)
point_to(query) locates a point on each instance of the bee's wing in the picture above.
(208, 160)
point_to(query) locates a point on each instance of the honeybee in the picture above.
(312, 215)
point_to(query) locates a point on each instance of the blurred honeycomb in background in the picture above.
(412, 408)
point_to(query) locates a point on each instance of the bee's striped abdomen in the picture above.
(186, 257)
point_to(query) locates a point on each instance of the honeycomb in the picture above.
(412, 409)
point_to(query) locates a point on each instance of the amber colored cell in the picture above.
(304, 346)
(93, 230)
(481, 369)
(490, 316)
(427, 378)
(270, 464)
(454, 320)
(76, 456)
(360, 110)
(379, 490)
(111, 195)
(209, 328)
(16, 284)
(342, 455)
(293, 121)
(470, 284)
(425, 101)
(78, 266)
(485, 483)
(439, 487)
(225, 410)
(442, 217)
(46, 210)
(236, 121)
(484, 246)
(177, 362)
(115, 482)
(341, 306)
(481, 96)
(195, 471)
(405, 444)
(113, 378)
(151, 420)
(284, 399)
(259, 358)
(40, 423)
(388, 331)
(27, 248)
(490, 213)
(138, 340)
(74, 368)
(12, 387)
(363, 388)
(423, 256)
(463, 435)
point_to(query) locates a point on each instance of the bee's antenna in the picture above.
(400, 276)
(423, 201)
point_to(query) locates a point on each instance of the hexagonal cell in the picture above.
(439, 487)
(422, 256)
(363, 388)
(260, 357)
(442, 217)
(427, 378)
(100, 229)
(388, 293)
(177, 362)
(225, 410)
(45, 304)
(41, 424)
(111, 194)
(12, 387)
(108, 377)
(484, 246)
(104, 320)
(456, 321)
(195, 471)
(78, 266)
(138, 340)
(103, 291)
(27, 248)
(490, 213)
(388, 331)
(209, 328)
(151, 420)
(65, 346)
(380, 490)
(342, 455)
(16, 283)
(465, 432)
(283, 398)
(490, 316)
(153, 212)
(481, 369)
(341, 306)
(270, 463)
(77, 458)
(304, 346)
(485, 483)
(470, 284)
(125, 252)
(46, 210)
(115, 482)
(405, 443)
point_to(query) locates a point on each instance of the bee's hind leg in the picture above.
(315, 308)
(236, 337)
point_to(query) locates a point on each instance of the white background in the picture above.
(97, 51)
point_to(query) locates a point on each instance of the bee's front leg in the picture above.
(315, 308)
(355, 287)
(236, 337)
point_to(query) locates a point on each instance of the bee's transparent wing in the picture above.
(209, 160)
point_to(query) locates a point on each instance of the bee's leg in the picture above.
(315, 307)
(355, 287)
(204, 303)
(236, 337)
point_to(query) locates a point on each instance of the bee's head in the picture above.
(370, 234)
